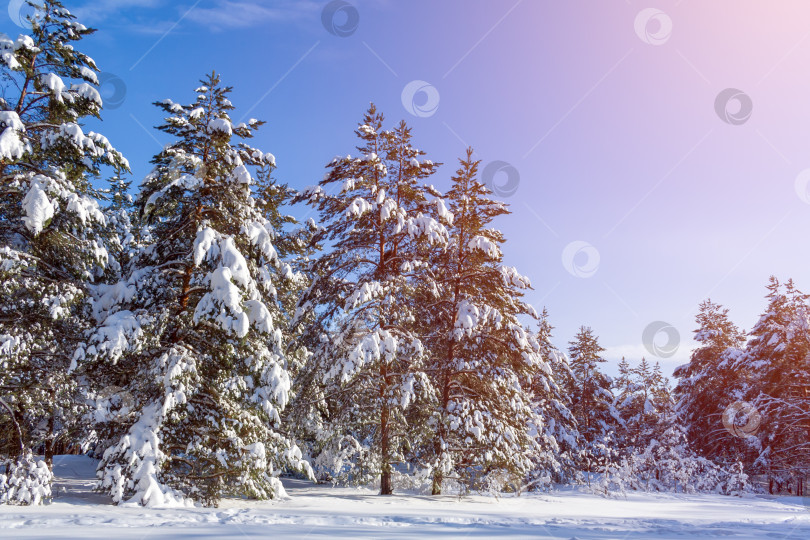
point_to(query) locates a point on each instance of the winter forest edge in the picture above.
(201, 343)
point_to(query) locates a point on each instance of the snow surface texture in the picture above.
(314, 511)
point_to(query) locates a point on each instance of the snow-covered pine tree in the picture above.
(706, 384)
(192, 334)
(642, 400)
(292, 242)
(661, 397)
(293, 245)
(622, 383)
(661, 389)
(560, 418)
(366, 366)
(553, 405)
(775, 372)
(591, 399)
(124, 235)
(624, 390)
(52, 241)
(482, 358)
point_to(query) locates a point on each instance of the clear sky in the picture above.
(652, 152)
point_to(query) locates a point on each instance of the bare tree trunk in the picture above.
(385, 478)
(385, 443)
(50, 442)
(437, 473)
(438, 477)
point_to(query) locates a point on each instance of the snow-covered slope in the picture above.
(318, 511)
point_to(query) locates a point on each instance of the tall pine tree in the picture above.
(52, 229)
(367, 363)
(644, 403)
(482, 358)
(591, 400)
(705, 384)
(553, 403)
(193, 333)
(775, 373)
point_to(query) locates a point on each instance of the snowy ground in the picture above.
(319, 511)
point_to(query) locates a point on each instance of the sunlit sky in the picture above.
(615, 136)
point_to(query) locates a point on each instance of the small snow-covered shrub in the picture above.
(25, 482)
(736, 481)
(345, 460)
(502, 481)
(667, 464)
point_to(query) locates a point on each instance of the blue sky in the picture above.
(635, 194)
